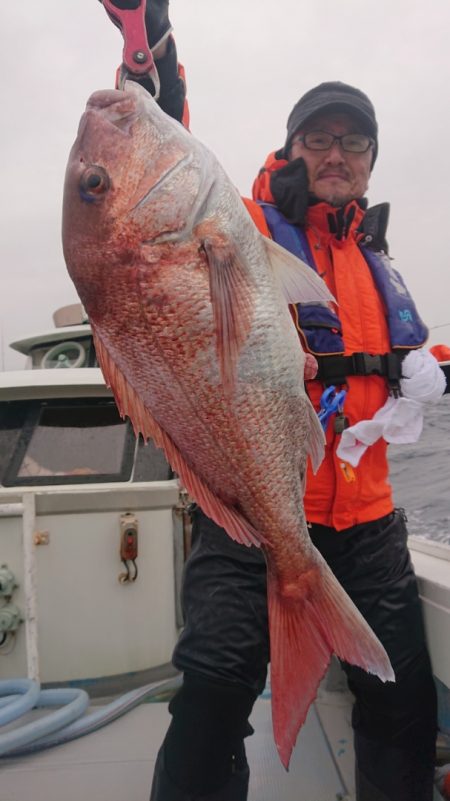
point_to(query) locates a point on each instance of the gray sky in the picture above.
(247, 63)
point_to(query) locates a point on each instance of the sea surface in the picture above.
(420, 476)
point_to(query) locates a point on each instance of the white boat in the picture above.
(93, 537)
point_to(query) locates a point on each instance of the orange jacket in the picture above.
(339, 495)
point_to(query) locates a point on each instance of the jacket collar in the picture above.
(339, 223)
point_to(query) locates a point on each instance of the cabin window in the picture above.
(151, 464)
(12, 418)
(67, 443)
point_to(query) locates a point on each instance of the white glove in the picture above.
(423, 380)
(400, 420)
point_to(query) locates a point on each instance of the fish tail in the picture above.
(304, 633)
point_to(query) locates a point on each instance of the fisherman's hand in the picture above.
(289, 187)
(157, 24)
(311, 367)
(422, 379)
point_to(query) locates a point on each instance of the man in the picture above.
(312, 201)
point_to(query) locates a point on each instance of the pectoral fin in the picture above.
(299, 283)
(231, 298)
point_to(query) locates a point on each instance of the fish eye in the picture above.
(94, 182)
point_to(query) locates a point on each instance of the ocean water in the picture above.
(420, 476)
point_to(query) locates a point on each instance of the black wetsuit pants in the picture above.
(224, 651)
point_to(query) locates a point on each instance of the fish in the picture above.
(189, 308)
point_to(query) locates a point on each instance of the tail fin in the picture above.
(304, 633)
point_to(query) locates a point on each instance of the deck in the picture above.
(116, 763)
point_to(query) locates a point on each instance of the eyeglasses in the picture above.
(322, 140)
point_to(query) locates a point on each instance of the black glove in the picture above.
(289, 187)
(173, 89)
(157, 20)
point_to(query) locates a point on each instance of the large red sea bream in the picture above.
(189, 308)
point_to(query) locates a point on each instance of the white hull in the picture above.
(86, 623)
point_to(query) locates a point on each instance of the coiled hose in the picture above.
(19, 696)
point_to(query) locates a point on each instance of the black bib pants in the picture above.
(223, 652)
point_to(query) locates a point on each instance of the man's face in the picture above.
(334, 175)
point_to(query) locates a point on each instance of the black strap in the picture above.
(445, 367)
(335, 369)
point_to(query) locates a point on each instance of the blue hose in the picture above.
(17, 705)
(67, 723)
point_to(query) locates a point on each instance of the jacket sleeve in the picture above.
(172, 97)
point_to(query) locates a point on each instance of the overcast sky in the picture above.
(247, 63)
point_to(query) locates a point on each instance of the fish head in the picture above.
(134, 177)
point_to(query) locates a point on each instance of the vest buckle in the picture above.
(368, 364)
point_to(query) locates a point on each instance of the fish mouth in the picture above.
(107, 97)
(117, 107)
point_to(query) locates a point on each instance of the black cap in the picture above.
(334, 96)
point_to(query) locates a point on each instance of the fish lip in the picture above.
(113, 107)
(104, 98)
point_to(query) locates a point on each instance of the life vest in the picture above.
(340, 496)
(319, 324)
